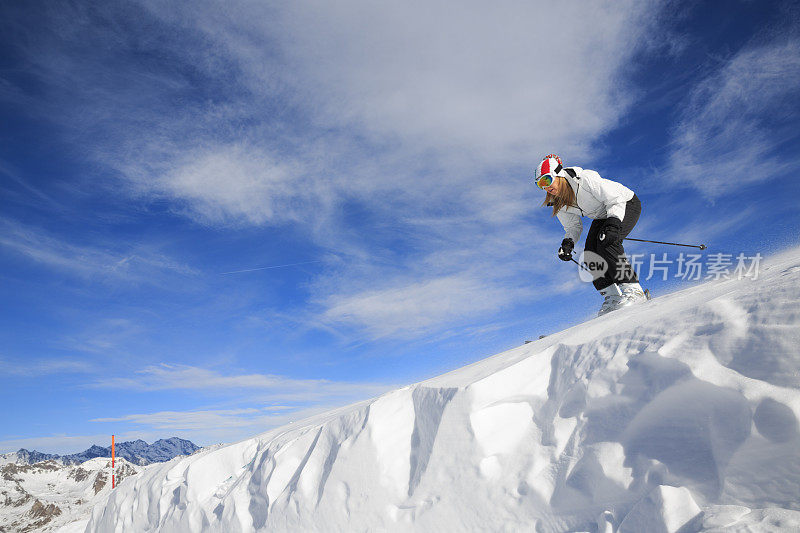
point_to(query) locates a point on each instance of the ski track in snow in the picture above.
(678, 414)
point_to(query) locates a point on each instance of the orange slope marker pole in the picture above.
(113, 476)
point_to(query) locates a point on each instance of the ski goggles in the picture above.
(545, 180)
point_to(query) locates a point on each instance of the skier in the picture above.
(574, 192)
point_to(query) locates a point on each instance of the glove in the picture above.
(565, 252)
(610, 233)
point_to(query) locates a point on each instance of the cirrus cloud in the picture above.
(736, 118)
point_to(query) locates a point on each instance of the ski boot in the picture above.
(632, 293)
(613, 298)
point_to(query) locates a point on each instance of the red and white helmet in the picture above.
(551, 164)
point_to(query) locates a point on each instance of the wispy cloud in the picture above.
(417, 306)
(254, 402)
(422, 72)
(274, 387)
(257, 269)
(709, 230)
(377, 89)
(389, 135)
(452, 280)
(251, 402)
(132, 264)
(103, 336)
(34, 194)
(236, 183)
(37, 368)
(61, 444)
(736, 118)
(260, 419)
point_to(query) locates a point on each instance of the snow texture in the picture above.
(680, 414)
(47, 495)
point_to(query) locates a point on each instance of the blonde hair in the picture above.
(564, 197)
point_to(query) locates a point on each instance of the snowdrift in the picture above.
(677, 415)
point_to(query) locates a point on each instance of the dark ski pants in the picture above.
(619, 270)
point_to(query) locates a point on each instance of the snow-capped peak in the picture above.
(136, 451)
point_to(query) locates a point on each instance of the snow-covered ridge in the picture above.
(25, 457)
(680, 414)
(136, 451)
(46, 495)
(42, 492)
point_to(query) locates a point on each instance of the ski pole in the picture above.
(580, 265)
(701, 246)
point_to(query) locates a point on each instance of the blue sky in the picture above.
(218, 218)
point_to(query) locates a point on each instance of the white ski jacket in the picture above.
(595, 197)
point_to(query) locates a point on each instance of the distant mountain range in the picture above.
(136, 451)
(44, 491)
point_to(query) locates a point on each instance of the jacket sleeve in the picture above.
(572, 225)
(611, 194)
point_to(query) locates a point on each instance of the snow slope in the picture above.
(681, 413)
(47, 495)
